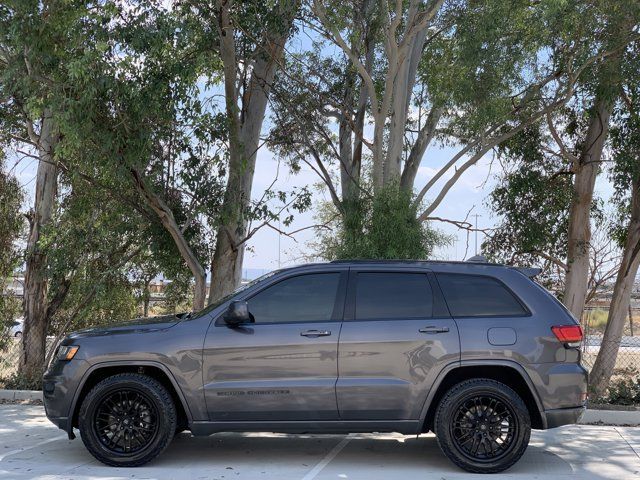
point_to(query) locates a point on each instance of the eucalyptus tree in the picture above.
(410, 74)
(145, 136)
(249, 38)
(39, 43)
(546, 196)
(626, 179)
(96, 95)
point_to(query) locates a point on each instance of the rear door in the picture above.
(283, 366)
(396, 336)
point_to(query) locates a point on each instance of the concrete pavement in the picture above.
(32, 448)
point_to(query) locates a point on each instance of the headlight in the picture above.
(66, 352)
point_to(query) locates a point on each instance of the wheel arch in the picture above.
(157, 371)
(509, 373)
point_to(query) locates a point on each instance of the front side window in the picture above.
(393, 296)
(478, 296)
(305, 298)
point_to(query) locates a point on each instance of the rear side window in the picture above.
(305, 298)
(393, 296)
(478, 296)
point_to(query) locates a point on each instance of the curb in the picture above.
(610, 417)
(20, 395)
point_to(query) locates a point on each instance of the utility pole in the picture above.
(476, 228)
(279, 237)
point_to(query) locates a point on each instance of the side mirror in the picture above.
(237, 314)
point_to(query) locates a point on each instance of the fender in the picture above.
(479, 363)
(128, 363)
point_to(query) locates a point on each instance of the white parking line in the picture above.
(24, 449)
(328, 457)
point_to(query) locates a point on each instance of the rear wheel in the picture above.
(127, 420)
(482, 425)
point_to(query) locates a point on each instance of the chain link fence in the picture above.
(594, 321)
(10, 356)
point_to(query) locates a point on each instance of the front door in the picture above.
(284, 366)
(396, 336)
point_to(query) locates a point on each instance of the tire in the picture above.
(18, 335)
(488, 414)
(127, 420)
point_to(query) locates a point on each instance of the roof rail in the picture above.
(478, 259)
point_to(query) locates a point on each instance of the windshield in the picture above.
(241, 288)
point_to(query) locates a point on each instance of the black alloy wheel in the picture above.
(127, 420)
(484, 428)
(482, 425)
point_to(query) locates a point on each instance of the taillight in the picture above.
(568, 333)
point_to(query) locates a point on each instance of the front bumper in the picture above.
(59, 385)
(563, 416)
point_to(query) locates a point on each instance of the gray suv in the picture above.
(475, 352)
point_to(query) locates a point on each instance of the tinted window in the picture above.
(393, 296)
(306, 298)
(478, 296)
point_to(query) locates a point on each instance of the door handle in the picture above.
(315, 333)
(432, 330)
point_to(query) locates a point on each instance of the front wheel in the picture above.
(482, 425)
(127, 420)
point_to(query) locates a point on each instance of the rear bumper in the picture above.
(563, 416)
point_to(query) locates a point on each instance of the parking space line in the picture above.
(24, 449)
(328, 457)
(627, 442)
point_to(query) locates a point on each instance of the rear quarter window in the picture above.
(479, 296)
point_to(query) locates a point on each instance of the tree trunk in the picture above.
(350, 150)
(579, 235)
(608, 354)
(244, 137)
(36, 321)
(168, 221)
(425, 136)
(402, 92)
(348, 180)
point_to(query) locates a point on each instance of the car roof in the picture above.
(399, 262)
(474, 263)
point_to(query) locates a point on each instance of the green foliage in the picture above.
(177, 296)
(625, 150)
(622, 391)
(532, 198)
(384, 226)
(11, 228)
(18, 381)
(535, 188)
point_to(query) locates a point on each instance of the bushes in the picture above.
(17, 381)
(622, 391)
(381, 226)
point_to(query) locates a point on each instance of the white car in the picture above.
(16, 328)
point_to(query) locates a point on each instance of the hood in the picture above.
(139, 325)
